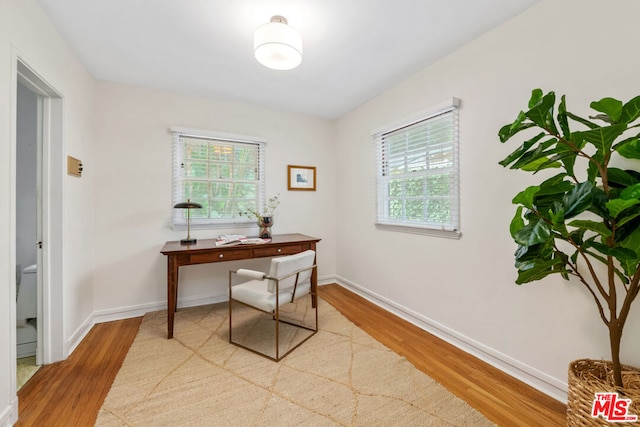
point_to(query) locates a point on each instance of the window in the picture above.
(417, 174)
(224, 173)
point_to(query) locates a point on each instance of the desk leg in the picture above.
(172, 293)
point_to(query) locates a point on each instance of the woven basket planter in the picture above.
(588, 377)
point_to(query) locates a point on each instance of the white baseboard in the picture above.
(549, 385)
(26, 350)
(78, 336)
(9, 415)
(128, 312)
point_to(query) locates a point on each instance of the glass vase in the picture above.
(265, 224)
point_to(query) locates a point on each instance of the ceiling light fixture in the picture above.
(277, 45)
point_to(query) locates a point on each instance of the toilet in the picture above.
(27, 312)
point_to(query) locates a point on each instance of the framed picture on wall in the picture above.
(301, 178)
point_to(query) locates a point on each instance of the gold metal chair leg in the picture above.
(276, 318)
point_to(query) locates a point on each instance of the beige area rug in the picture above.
(339, 377)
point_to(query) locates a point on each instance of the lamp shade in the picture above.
(277, 45)
(187, 205)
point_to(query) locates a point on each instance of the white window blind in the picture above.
(418, 176)
(224, 173)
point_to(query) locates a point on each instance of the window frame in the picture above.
(178, 220)
(450, 229)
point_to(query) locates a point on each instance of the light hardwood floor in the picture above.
(501, 398)
(70, 393)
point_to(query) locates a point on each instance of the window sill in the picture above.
(214, 226)
(447, 234)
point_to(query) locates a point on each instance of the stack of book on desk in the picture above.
(239, 239)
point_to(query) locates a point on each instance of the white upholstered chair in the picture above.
(289, 278)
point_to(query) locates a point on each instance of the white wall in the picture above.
(584, 49)
(26, 33)
(134, 172)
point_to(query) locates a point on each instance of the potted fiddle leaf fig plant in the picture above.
(583, 221)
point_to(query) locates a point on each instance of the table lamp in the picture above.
(188, 205)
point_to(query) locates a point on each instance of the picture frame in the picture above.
(301, 178)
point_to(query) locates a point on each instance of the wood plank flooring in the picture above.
(500, 397)
(70, 393)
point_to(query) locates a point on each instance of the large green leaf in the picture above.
(621, 178)
(631, 110)
(629, 216)
(521, 150)
(585, 122)
(552, 190)
(556, 216)
(548, 203)
(578, 200)
(619, 253)
(629, 148)
(536, 96)
(627, 228)
(539, 164)
(599, 203)
(533, 233)
(567, 158)
(540, 270)
(527, 256)
(526, 196)
(631, 192)
(617, 206)
(603, 137)
(554, 185)
(519, 124)
(598, 227)
(542, 113)
(624, 255)
(609, 106)
(626, 141)
(540, 152)
(632, 243)
(517, 223)
(562, 118)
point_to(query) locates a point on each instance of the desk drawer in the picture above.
(218, 256)
(277, 250)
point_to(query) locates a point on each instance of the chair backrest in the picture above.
(285, 265)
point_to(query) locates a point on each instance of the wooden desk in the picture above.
(205, 251)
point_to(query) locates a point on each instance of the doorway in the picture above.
(28, 228)
(38, 225)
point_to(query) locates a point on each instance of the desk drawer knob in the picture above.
(279, 250)
(221, 256)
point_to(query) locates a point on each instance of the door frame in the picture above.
(50, 331)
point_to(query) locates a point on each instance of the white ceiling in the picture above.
(353, 49)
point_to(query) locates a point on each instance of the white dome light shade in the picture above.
(277, 45)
